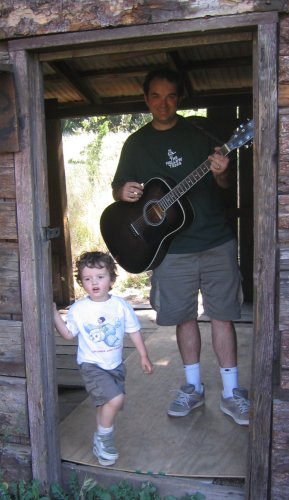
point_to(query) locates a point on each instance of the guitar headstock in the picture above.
(242, 135)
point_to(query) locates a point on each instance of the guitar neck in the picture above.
(188, 182)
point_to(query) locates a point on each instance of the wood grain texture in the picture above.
(280, 446)
(11, 349)
(8, 228)
(15, 462)
(26, 19)
(14, 418)
(265, 215)
(10, 300)
(147, 439)
(7, 176)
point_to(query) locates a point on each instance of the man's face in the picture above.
(162, 101)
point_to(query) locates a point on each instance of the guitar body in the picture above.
(138, 234)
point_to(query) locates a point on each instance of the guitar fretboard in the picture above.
(188, 182)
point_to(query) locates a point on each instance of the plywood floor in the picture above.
(206, 443)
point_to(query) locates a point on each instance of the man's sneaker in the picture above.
(104, 447)
(238, 406)
(187, 400)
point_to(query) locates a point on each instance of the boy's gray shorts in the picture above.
(103, 385)
(176, 283)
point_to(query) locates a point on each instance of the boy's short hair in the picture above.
(98, 260)
(168, 74)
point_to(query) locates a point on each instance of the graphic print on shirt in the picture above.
(174, 161)
(104, 332)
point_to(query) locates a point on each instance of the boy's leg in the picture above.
(103, 442)
(106, 413)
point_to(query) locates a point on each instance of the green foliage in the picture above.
(88, 191)
(113, 123)
(22, 491)
(89, 490)
(139, 281)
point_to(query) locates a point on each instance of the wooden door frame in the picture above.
(32, 213)
(35, 269)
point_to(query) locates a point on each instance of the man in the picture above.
(203, 256)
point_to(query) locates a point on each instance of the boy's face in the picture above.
(96, 282)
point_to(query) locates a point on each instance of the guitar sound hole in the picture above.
(153, 214)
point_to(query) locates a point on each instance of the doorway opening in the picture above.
(222, 106)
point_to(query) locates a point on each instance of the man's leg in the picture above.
(189, 342)
(234, 400)
(224, 342)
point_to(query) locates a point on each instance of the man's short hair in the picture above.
(164, 74)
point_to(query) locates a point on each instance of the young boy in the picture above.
(100, 320)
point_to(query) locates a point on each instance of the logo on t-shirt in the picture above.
(174, 160)
(104, 332)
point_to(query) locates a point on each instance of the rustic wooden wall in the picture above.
(15, 453)
(280, 427)
(15, 456)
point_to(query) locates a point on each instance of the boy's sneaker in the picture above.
(104, 447)
(238, 406)
(103, 461)
(187, 400)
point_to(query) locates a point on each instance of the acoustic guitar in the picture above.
(138, 234)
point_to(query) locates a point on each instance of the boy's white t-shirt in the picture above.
(100, 327)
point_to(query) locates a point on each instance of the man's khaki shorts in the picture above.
(176, 283)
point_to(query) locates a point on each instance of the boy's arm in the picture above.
(138, 342)
(60, 325)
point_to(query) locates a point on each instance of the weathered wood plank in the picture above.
(284, 258)
(284, 35)
(284, 380)
(62, 268)
(12, 362)
(280, 446)
(74, 16)
(8, 114)
(10, 300)
(66, 361)
(166, 486)
(284, 299)
(35, 269)
(15, 462)
(283, 76)
(69, 378)
(265, 215)
(284, 135)
(283, 177)
(13, 408)
(283, 216)
(284, 349)
(283, 95)
(7, 177)
(283, 173)
(283, 236)
(8, 229)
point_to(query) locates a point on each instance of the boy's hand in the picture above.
(146, 365)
